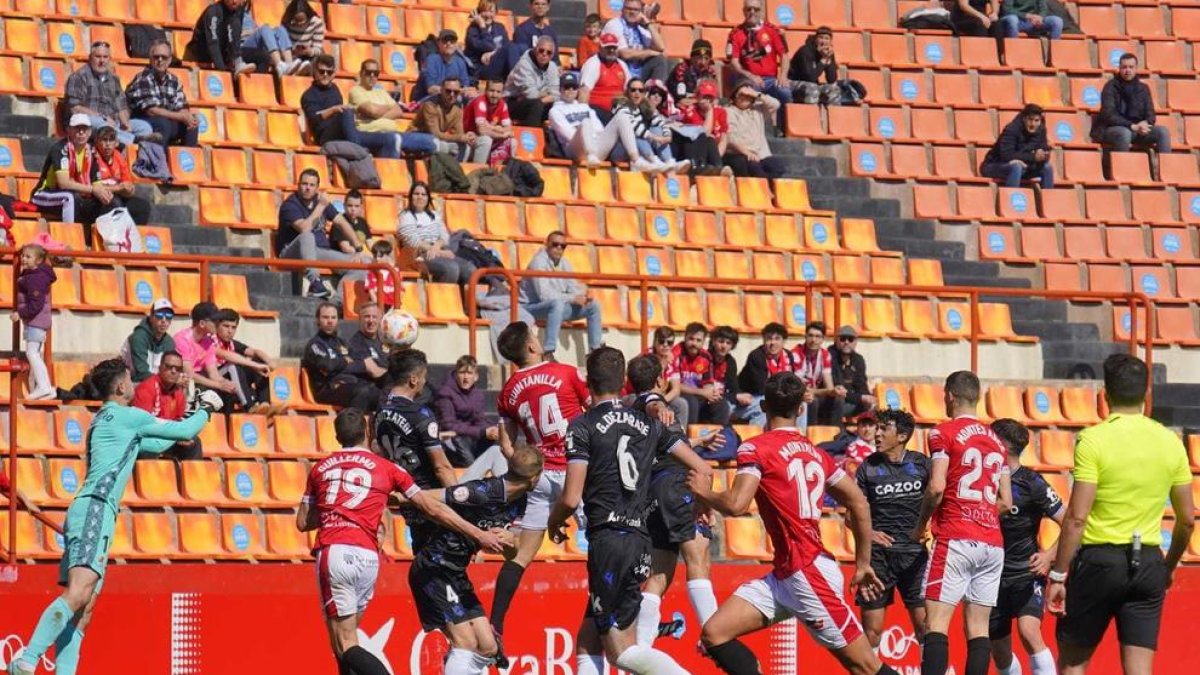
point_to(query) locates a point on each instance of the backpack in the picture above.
(526, 180)
(139, 37)
(489, 181)
(355, 163)
(853, 92)
(424, 49)
(927, 18)
(446, 175)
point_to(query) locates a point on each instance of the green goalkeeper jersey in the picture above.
(116, 436)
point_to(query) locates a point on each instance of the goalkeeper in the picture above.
(116, 436)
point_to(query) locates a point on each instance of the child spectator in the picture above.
(350, 237)
(306, 29)
(487, 44)
(385, 295)
(112, 183)
(198, 347)
(589, 42)
(663, 348)
(33, 308)
(248, 368)
(459, 406)
(273, 42)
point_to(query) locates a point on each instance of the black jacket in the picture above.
(1123, 104)
(326, 357)
(217, 38)
(852, 375)
(1016, 143)
(753, 378)
(728, 375)
(805, 65)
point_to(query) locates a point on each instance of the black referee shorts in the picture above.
(1102, 586)
(1023, 596)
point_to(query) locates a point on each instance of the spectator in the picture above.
(583, 137)
(747, 152)
(151, 338)
(95, 91)
(1031, 17)
(755, 53)
(529, 32)
(690, 72)
(197, 345)
(649, 127)
(365, 345)
(850, 374)
(442, 116)
(165, 396)
(1022, 151)
(589, 42)
(112, 183)
(156, 96)
(1126, 115)
(705, 146)
(352, 240)
(487, 43)
(336, 378)
(217, 38)
(603, 78)
(487, 117)
(813, 71)
(33, 309)
(558, 299)
(247, 367)
(460, 409)
(532, 86)
(639, 44)
(767, 359)
(303, 218)
(265, 43)
(422, 230)
(382, 292)
(66, 177)
(697, 384)
(444, 64)
(663, 349)
(814, 366)
(376, 113)
(306, 30)
(721, 343)
(979, 18)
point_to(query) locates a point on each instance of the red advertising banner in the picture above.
(219, 619)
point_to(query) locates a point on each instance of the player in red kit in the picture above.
(968, 489)
(344, 502)
(540, 399)
(788, 478)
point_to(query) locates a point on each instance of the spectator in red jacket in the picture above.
(165, 397)
(705, 396)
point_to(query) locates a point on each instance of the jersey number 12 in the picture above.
(810, 500)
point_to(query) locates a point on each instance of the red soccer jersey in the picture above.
(388, 296)
(3, 481)
(542, 399)
(976, 461)
(693, 371)
(480, 110)
(793, 475)
(350, 490)
(760, 49)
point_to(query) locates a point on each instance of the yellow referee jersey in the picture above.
(1134, 462)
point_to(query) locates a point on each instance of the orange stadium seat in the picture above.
(879, 316)
(634, 187)
(157, 483)
(188, 165)
(745, 539)
(691, 263)
(683, 307)
(1079, 405)
(202, 484)
(1057, 449)
(283, 539)
(200, 536)
(741, 229)
(244, 483)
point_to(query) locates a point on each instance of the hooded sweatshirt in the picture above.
(460, 410)
(142, 352)
(33, 296)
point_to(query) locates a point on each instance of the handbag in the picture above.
(119, 233)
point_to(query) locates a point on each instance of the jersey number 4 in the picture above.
(356, 483)
(968, 486)
(549, 422)
(810, 497)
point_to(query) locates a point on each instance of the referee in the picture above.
(1124, 468)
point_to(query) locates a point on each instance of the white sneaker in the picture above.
(683, 166)
(245, 69)
(41, 394)
(305, 67)
(662, 167)
(640, 164)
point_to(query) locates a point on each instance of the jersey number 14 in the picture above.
(549, 422)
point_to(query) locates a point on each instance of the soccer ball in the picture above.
(398, 329)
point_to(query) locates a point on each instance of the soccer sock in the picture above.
(460, 662)
(648, 661)
(704, 601)
(979, 653)
(66, 651)
(363, 662)
(1042, 663)
(590, 664)
(1014, 668)
(54, 621)
(647, 620)
(734, 658)
(936, 656)
(506, 587)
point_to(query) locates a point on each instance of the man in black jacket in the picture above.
(849, 373)
(1127, 112)
(1022, 152)
(217, 38)
(813, 70)
(769, 358)
(335, 377)
(365, 345)
(721, 343)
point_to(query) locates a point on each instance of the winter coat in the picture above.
(460, 411)
(33, 296)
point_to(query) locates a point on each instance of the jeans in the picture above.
(1013, 174)
(304, 247)
(382, 144)
(811, 92)
(771, 88)
(450, 270)
(652, 68)
(174, 132)
(1122, 138)
(557, 311)
(1014, 26)
(137, 128)
(268, 39)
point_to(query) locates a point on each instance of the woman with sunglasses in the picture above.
(649, 127)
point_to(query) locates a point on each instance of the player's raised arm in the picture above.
(203, 405)
(733, 502)
(446, 517)
(1004, 498)
(306, 516)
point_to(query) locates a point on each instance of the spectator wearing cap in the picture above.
(151, 338)
(602, 79)
(747, 152)
(639, 43)
(532, 85)
(156, 96)
(445, 63)
(1022, 153)
(1031, 17)
(94, 90)
(529, 32)
(370, 119)
(852, 394)
(710, 122)
(197, 345)
(165, 396)
(690, 72)
(1126, 115)
(66, 174)
(813, 70)
(755, 52)
(442, 116)
(487, 43)
(583, 137)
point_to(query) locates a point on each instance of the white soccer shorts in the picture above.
(346, 577)
(962, 568)
(813, 595)
(547, 491)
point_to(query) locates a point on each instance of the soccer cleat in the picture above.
(673, 628)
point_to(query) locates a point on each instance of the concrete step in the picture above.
(858, 207)
(839, 187)
(178, 216)
(184, 236)
(999, 282)
(1177, 395)
(1176, 417)
(24, 125)
(1091, 366)
(923, 248)
(799, 166)
(1057, 331)
(905, 228)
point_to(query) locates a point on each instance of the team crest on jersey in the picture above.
(461, 493)
(432, 430)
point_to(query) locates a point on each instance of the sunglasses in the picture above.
(637, 90)
(369, 73)
(452, 92)
(546, 51)
(326, 71)
(558, 244)
(164, 315)
(173, 369)
(666, 342)
(846, 338)
(160, 57)
(753, 9)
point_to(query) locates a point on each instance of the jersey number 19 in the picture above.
(356, 483)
